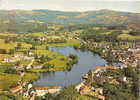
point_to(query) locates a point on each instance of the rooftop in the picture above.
(48, 87)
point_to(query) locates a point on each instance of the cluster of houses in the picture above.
(94, 76)
(17, 57)
(29, 91)
(41, 91)
(89, 90)
(22, 57)
(26, 89)
(127, 57)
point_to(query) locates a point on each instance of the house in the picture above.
(122, 79)
(30, 86)
(101, 80)
(123, 66)
(29, 66)
(111, 67)
(8, 60)
(78, 87)
(91, 91)
(94, 94)
(103, 68)
(40, 91)
(16, 89)
(85, 90)
(85, 76)
(114, 81)
(97, 90)
(19, 67)
(22, 74)
(100, 69)
(38, 67)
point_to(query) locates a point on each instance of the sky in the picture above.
(72, 5)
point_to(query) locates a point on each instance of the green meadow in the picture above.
(15, 47)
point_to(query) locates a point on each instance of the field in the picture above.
(18, 51)
(68, 43)
(8, 80)
(128, 37)
(28, 77)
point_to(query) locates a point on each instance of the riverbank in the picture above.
(73, 76)
(104, 49)
(102, 81)
(55, 66)
(24, 55)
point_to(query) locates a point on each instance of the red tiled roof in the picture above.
(17, 88)
(108, 67)
(48, 87)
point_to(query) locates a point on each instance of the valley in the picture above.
(71, 58)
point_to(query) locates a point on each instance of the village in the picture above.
(21, 66)
(32, 55)
(30, 92)
(127, 57)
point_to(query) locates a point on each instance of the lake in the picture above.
(86, 61)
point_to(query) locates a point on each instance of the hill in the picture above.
(102, 17)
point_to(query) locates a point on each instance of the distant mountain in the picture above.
(103, 17)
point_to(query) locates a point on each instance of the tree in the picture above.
(33, 47)
(10, 71)
(68, 93)
(3, 51)
(48, 96)
(11, 51)
(18, 45)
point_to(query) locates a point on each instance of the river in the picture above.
(86, 61)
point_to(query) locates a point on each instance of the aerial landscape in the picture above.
(75, 50)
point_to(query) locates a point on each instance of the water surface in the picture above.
(86, 61)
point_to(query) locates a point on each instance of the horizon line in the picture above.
(69, 10)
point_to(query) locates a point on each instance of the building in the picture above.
(93, 92)
(99, 69)
(78, 87)
(40, 91)
(16, 89)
